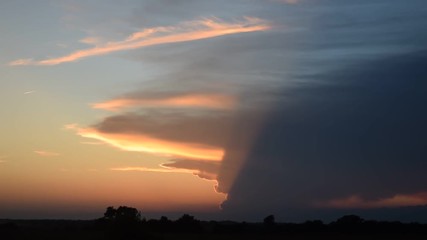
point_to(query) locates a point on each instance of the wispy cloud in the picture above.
(46, 153)
(71, 126)
(22, 62)
(187, 31)
(398, 200)
(158, 170)
(29, 92)
(91, 40)
(165, 169)
(190, 100)
(92, 143)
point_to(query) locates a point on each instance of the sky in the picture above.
(305, 109)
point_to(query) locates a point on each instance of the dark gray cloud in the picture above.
(364, 136)
(210, 129)
(351, 122)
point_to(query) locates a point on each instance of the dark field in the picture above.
(347, 227)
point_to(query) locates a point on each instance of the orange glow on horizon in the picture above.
(191, 100)
(398, 200)
(144, 143)
(99, 189)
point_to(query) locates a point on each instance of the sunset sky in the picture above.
(306, 109)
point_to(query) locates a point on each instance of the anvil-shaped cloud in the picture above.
(197, 131)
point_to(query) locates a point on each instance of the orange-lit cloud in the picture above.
(159, 170)
(46, 153)
(187, 31)
(217, 101)
(398, 200)
(91, 40)
(92, 143)
(146, 143)
(71, 126)
(22, 62)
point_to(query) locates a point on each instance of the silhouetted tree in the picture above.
(128, 214)
(350, 220)
(122, 214)
(110, 213)
(188, 223)
(164, 219)
(186, 219)
(269, 220)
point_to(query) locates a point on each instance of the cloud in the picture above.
(29, 92)
(22, 62)
(199, 127)
(364, 136)
(211, 144)
(187, 31)
(92, 143)
(91, 41)
(145, 143)
(203, 169)
(398, 200)
(157, 170)
(46, 153)
(71, 126)
(209, 100)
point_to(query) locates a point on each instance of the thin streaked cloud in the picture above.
(70, 126)
(46, 153)
(191, 100)
(187, 31)
(148, 144)
(92, 143)
(158, 170)
(22, 62)
(90, 40)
